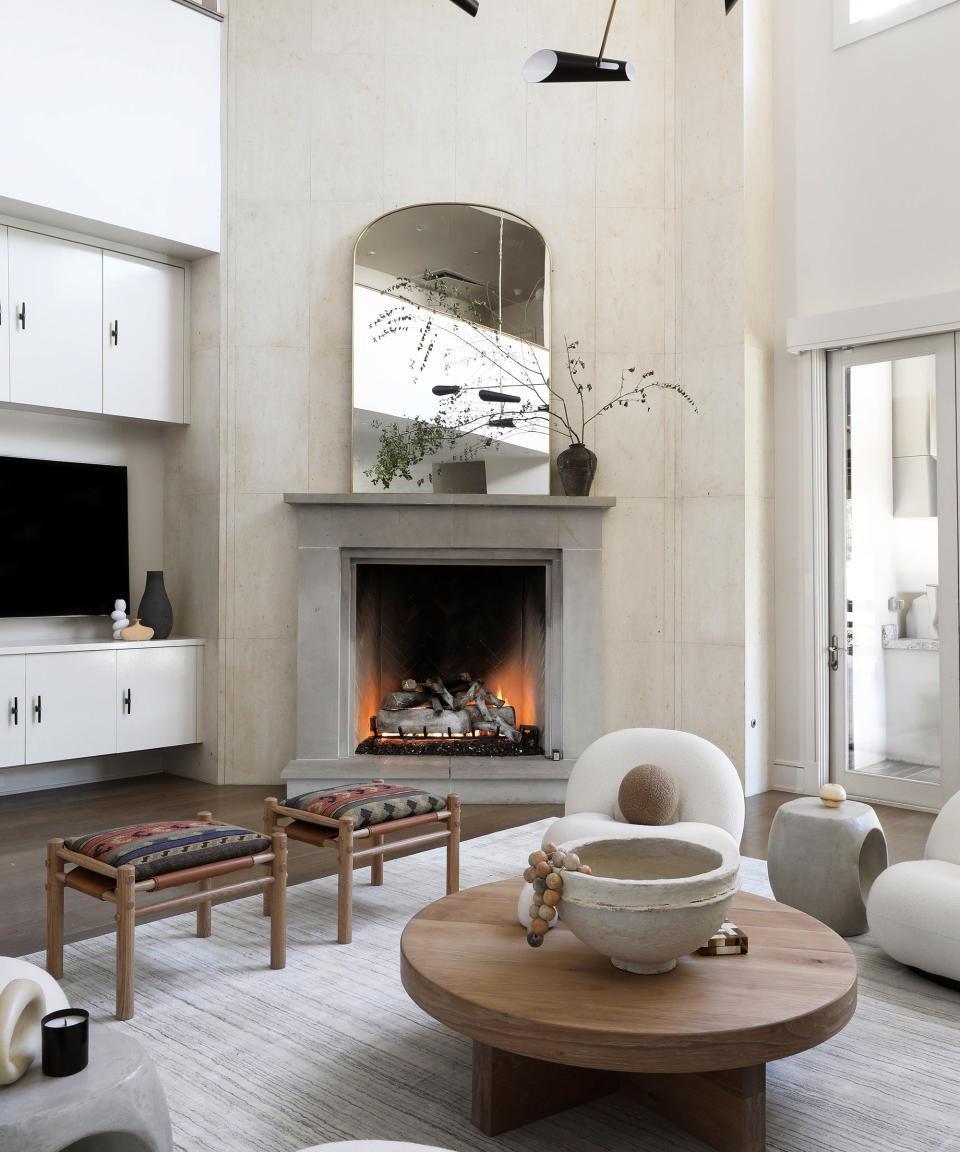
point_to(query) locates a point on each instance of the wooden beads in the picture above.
(545, 873)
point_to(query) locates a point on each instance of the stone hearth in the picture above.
(338, 535)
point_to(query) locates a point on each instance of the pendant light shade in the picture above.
(471, 7)
(730, 5)
(492, 397)
(552, 67)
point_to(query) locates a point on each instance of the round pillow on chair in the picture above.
(648, 794)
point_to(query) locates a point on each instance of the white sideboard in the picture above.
(74, 700)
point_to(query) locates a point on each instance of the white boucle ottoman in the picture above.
(914, 915)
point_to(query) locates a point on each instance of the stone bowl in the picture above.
(649, 900)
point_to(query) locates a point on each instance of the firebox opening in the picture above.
(450, 659)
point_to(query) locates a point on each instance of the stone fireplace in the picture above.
(447, 640)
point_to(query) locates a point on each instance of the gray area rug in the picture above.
(332, 1049)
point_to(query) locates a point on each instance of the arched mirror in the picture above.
(451, 353)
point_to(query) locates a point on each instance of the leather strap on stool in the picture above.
(201, 872)
(90, 883)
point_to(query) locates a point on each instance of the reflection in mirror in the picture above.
(451, 353)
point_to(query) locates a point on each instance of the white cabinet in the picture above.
(72, 704)
(157, 691)
(142, 338)
(55, 291)
(5, 319)
(66, 702)
(13, 717)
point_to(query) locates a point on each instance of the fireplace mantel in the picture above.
(336, 532)
(424, 499)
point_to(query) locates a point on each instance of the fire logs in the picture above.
(431, 707)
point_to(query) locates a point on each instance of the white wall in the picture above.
(111, 120)
(867, 182)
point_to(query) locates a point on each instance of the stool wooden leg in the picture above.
(376, 865)
(278, 901)
(54, 911)
(204, 912)
(453, 845)
(345, 881)
(269, 827)
(126, 878)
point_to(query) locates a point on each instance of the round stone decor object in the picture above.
(649, 794)
(824, 860)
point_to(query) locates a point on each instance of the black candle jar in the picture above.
(65, 1041)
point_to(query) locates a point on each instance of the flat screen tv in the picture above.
(63, 538)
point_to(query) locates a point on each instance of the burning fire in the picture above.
(511, 681)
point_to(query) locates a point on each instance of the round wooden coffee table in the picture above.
(559, 1026)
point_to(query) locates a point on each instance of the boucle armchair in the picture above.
(710, 789)
(914, 908)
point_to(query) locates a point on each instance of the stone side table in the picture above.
(824, 860)
(116, 1104)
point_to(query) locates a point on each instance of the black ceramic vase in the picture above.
(155, 610)
(577, 466)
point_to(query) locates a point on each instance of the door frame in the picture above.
(861, 784)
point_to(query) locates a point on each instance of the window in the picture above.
(856, 19)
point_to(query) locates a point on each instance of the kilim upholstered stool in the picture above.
(117, 864)
(339, 817)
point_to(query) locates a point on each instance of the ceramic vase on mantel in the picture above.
(577, 466)
(155, 610)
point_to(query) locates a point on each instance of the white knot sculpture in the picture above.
(119, 618)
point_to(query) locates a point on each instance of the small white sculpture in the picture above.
(27, 993)
(119, 618)
(833, 795)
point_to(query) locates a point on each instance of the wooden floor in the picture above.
(28, 820)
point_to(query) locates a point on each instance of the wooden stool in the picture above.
(342, 816)
(117, 864)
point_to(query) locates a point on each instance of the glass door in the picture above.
(895, 689)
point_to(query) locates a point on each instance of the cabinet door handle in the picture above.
(22, 316)
(15, 710)
(115, 333)
(128, 701)
(38, 709)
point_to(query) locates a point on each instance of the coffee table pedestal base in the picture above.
(726, 1110)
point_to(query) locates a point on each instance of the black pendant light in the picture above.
(730, 5)
(549, 66)
(471, 7)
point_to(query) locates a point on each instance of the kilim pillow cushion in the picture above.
(168, 846)
(368, 803)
